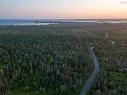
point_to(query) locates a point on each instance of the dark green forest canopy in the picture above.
(55, 60)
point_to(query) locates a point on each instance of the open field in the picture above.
(55, 60)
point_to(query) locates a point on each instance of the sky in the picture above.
(65, 9)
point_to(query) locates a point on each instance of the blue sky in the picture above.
(62, 9)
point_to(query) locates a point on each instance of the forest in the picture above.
(55, 60)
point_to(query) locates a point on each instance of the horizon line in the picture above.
(63, 18)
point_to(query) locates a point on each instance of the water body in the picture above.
(55, 21)
(23, 22)
(110, 21)
(99, 21)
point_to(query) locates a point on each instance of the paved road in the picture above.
(92, 78)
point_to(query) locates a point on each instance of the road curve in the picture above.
(92, 78)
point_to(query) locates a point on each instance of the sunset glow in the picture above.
(51, 9)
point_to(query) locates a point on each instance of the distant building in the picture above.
(113, 44)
